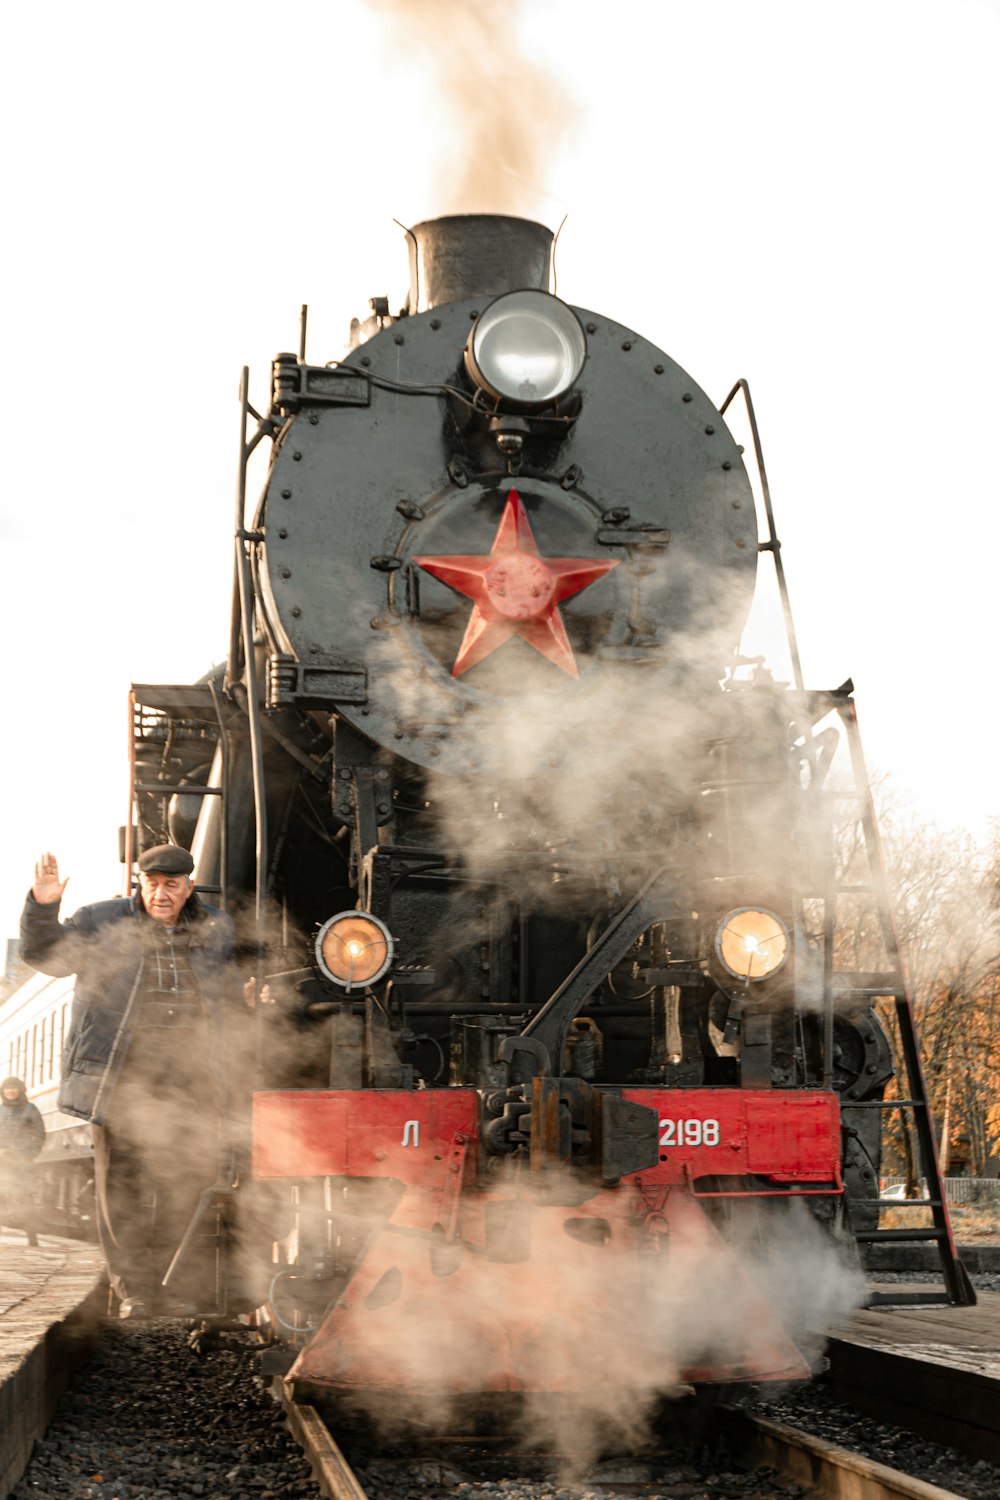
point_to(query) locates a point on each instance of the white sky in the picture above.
(803, 194)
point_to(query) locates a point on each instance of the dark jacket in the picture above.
(22, 1130)
(102, 946)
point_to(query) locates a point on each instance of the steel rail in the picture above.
(331, 1471)
(832, 1471)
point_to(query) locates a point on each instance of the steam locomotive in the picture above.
(538, 871)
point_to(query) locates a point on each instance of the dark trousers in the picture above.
(152, 1160)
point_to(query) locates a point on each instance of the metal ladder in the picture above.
(893, 985)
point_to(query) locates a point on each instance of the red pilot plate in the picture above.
(400, 1133)
(790, 1136)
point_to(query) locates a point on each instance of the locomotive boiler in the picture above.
(537, 870)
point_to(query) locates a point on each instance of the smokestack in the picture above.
(476, 255)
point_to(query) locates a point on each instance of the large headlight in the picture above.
(751, 943)
(354, 949)
(527, 349)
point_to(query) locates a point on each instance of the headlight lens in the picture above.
(527, 349)
(751, 943)
(354, 949)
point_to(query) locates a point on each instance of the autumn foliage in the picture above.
(945, 899)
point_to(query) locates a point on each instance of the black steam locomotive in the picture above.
(539, 872)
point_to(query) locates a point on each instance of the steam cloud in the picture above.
(598, 1334)
(508, 114)
(601, 767)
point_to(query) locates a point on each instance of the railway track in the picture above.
(146, 1420)
(773, 1459)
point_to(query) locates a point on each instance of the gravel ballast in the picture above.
(145, 1419)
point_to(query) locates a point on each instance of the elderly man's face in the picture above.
(163, 896)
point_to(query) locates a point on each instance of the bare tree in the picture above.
(946, 904)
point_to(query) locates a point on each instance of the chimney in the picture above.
(476, 255)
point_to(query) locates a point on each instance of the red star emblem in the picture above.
(515, 592)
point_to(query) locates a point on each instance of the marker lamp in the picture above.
(354, 949)
(527, 349)
(751, 943)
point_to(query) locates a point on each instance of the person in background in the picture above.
(22, 1135)
(145, 1057)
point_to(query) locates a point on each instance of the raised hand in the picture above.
(48, 887)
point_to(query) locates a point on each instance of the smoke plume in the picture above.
(507, 114)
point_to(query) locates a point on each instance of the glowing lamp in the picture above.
(354, 949)
(751, 943)
(526, 349)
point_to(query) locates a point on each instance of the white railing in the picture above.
(973, 1190)
(966, 1191)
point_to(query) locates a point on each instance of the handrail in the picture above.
(772, 544)
(244, 638)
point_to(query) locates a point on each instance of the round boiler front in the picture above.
(645, 489)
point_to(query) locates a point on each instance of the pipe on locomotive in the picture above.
(476, 255)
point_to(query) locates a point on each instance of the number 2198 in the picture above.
(689, 1132)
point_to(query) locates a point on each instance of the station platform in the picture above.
(907, 1361)
(52, 1298)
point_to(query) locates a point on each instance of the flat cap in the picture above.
(166, 859)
